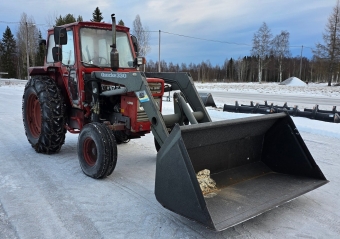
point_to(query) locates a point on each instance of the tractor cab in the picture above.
(75, 51)
(88, 45)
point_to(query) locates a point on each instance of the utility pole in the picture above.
(159, 51)
(27, 57)
(301, 62)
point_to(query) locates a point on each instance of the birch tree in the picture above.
(27, 41)
(261, 47)
(142, 36)
(330, 50)
(280, 48)
(241, 68)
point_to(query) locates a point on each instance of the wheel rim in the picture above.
(90, 152)
(34, 115)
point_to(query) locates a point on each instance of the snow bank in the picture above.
(293, 81)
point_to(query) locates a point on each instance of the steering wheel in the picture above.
(99, 60)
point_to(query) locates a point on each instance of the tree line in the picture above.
(269, 60)
(246, 69)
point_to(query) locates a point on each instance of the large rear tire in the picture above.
(43, 115)
(97, 150)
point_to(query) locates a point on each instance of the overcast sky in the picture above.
(218, 20)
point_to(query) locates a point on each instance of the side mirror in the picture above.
(57, 54)
(60, 36)
(135, 44)
(139, 61)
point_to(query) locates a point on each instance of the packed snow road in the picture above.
(325, 103)
(48, 196)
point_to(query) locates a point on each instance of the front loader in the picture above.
(255, 163)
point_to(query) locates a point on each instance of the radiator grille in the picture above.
(155, 88)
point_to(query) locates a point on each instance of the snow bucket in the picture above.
(258, 163)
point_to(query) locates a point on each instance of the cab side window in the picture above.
(51, 44)
(68, 50)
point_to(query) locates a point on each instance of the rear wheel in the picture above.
(43, 115)
(97, 150)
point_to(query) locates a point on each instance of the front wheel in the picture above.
(97, 150)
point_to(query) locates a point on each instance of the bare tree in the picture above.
(50, 19)
(280, 48)
(261, 47)
(142, 34)
(27, 41)
(330, 50)
(241, 68)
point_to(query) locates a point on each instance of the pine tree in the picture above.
(121, 22)
(97, 15)
(80, 19)
(230, 70)
(40, 56)
(68, 18)
(1, 52)
(8, 57)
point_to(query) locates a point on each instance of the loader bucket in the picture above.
(258, 163)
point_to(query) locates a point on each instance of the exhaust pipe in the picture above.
(114, 55)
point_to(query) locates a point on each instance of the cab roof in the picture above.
(94, 25)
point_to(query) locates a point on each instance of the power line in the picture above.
(204, 39)
(176, 34)
(219, 41)
(9, 22)
(36, 24)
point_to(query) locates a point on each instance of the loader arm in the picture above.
(183, 81)
(136, 82)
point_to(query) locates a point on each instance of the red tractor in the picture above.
(91, 84)
(62, 96)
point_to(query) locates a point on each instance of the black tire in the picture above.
(121, 137)
(95, 150)
(113, 147)
(43, 114)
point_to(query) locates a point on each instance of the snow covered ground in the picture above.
(274, 88)
(47, 196)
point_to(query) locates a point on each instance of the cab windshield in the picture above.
(95, 48)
